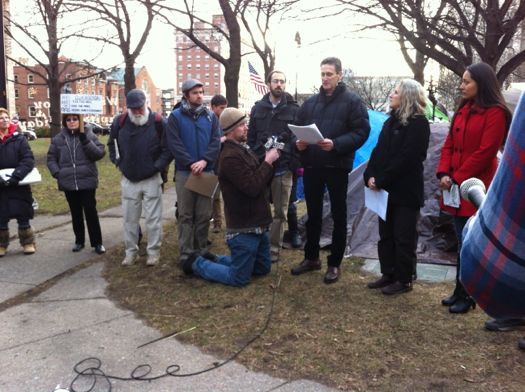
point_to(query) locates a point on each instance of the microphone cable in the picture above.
(91, 368)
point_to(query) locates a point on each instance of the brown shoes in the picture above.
(306, 266)
(396, 288)
(383, 281)
(332, 274)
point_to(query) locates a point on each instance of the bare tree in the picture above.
(42, 39)
(374, 91)
(120, 15)
(256, 17)
(455, 33)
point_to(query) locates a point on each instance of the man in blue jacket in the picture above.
(342, 119)
(193, 138)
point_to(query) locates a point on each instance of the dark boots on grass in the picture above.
(27, 240)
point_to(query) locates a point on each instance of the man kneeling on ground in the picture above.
(244, 186)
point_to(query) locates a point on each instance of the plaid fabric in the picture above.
(493, 251)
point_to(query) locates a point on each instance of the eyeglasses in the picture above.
(277, 81)
(70, 119)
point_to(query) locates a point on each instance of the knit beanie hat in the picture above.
(231, 118)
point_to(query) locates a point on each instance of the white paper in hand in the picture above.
(306, 133)
(451, 197)
(377, 201)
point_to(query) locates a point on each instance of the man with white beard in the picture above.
(137, 147)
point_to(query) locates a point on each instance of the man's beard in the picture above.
(276, 93)
(139, 119)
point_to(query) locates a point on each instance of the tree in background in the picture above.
(123, 17)
(45, 28)
(455, 33)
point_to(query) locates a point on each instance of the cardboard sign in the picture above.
(81, 103)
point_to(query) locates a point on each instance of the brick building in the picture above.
(194, 63)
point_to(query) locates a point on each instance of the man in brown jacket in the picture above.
(244, 186)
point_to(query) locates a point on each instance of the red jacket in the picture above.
(471, 147)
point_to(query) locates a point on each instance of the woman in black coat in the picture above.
(16, 201)
(71, 160)
(396, 165)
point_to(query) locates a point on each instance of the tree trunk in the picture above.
(231, 82)
(129, 75)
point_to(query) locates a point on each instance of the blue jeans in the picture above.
(250, 255)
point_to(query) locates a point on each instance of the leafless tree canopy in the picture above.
(455, 33)
(374, 91)
(46, 27)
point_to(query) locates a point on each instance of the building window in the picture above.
(32, 111)
(189, 66)
(31, 92)
(197, 76)
(17, 93)
(30, 78)
(47, 93)
(188, 57)
(216, 75)
(207, 75)
(206, 84)
(179, 67)
(179, 57)
(206, 65)
(16, 78)
(216, 65)
(216, 85)
(198, 66)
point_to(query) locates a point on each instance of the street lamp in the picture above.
(432, 98)
(298, 41)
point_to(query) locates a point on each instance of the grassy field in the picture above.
(52, 201)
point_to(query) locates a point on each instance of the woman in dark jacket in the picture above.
(476, 133)
(396, 165)
(16, 201)
(71, 160)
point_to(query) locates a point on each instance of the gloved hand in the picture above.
(12, 181)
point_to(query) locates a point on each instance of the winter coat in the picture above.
(191, 139)
(71, 160)
(16, 201)
(341, 117)
(396, 162)
(267, 121)
(470, 149)
(244, 185)
(142, 150)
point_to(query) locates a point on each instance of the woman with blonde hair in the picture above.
(396, 165)
(71, 160)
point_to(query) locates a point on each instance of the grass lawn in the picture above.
(52, 201)
(343, 335)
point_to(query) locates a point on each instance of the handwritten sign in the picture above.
(81, 103)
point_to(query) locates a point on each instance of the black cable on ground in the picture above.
(90, 369)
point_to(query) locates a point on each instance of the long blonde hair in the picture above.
(412, 100)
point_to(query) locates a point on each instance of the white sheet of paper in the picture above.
(377, 201)
(33, 177)
(451, 197)
(307, 133)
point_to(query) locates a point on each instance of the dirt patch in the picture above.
(343, 335)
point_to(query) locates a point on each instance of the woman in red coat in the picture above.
(477, 132)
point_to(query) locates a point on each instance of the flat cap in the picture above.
(187, 85)
(135, 99)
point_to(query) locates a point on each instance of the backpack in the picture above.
(158, 127)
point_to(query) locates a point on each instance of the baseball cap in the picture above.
(187, 85)
(135, 99)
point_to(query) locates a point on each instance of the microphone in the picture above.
(473, 190)
(277, 142)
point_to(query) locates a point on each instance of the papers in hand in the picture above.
(307, 133)
(205, 183)
(32, 178)
(451, 197)
(377, 201)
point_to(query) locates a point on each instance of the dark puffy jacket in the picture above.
(397, 160)
(267, 121)
(143, 152)
(341, 117)
(16, 201)
(71, 160)
(244, 186)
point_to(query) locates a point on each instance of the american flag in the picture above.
(257, 81)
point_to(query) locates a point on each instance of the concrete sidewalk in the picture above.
(43, 336)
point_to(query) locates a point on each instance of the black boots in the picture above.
(462, 305)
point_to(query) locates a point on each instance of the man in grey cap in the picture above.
(137, 147)
(193, 138)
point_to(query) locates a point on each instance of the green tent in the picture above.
(438, 114)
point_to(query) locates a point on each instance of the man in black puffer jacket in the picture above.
(342, 119)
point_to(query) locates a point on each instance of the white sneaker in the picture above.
(152, 260)
(129, 260)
